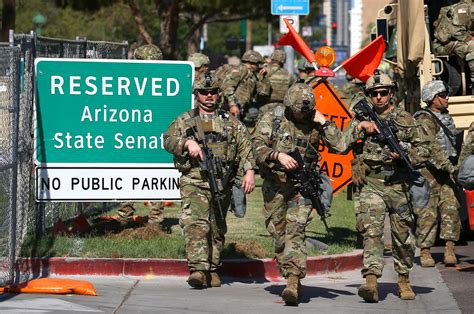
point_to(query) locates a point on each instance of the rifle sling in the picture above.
(445, 129)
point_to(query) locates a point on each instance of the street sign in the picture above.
(295, 7)
(294, 20)
(337, 167)
(102, 184)
(107, 114)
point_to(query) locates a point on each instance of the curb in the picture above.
(239, 268)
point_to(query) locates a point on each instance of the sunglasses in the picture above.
(443, 95)
(382, 93)
(208, 91)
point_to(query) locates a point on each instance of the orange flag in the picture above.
(293, 39)
(363, 64)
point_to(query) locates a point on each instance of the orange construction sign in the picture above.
(337, 167)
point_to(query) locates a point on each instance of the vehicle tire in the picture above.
(452, 76)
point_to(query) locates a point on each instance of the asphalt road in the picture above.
(459, 279)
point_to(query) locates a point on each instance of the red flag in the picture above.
(293, 39)
(363, 64)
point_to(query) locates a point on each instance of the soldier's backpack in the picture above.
(466, 173)
(222, 71)
(443, 26)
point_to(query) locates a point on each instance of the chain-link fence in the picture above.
(20, 215)
(9, 152)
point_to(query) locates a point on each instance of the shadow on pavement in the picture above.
(310, 292)
(386, 288)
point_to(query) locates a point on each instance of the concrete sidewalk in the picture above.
(331, 292)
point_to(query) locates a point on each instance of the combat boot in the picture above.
(290, 294)
(215, 279)
(368, 291)
(404, 289)
(449, 256)
(198, 279)
(426, 260)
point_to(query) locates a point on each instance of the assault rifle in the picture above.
(387, 130)
(212, 166)
(310, 182)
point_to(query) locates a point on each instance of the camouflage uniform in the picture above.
(285, 209)
(468, 146)
(280, 81)
(126, 210)
(201, 63)
(240, 84)
(452, 33)
(155, 215)
(204, 228)
(385, 187)
(444, 190)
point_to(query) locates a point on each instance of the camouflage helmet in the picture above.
(300, 97)
(301, 65)
(278, 56)
(433, 88)
(206, 81)
(252, 56)
(148, 52)
(378, 80)
(199, 59)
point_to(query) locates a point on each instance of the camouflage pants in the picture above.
(374, 199)
(155, 215)
(460, 49)
(204, 237)
(443, 199)
(285, 219)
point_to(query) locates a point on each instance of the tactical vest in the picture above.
(286, 137)
(280, 80)
(219, 136)
(245, 87)
(445, 140)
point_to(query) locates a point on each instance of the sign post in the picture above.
(99, 123)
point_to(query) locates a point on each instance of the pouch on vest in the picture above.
(466, 173)
(420, 190)
(326, 191)
(238, 203)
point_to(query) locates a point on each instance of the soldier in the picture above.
(452, 33)
(296, 128)
(438, 124)
(280, 81)
(201, 63)
(302, 73)
(126, 210)
(383, 185)
(148, 52)
(468, 146)
(203, 223)
(243, 82)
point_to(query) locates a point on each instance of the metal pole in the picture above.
(290, 59)
(14, 69)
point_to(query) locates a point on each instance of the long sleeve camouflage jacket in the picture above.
(375, 153)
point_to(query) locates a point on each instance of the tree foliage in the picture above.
(175, 25)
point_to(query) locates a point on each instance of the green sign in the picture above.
(108, 111)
